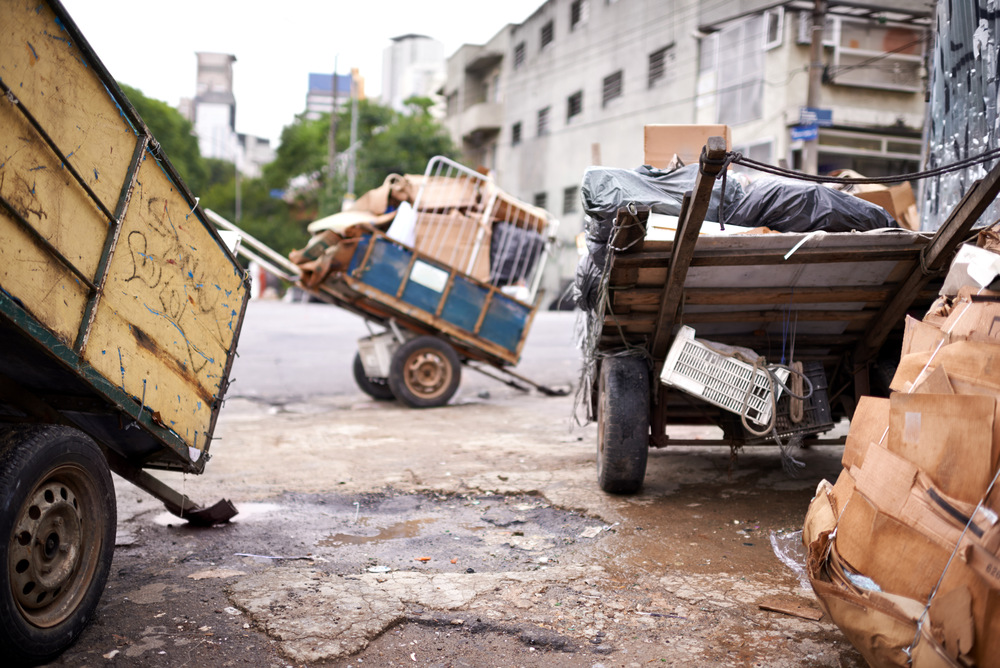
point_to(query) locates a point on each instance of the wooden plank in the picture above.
(742, 257)
(934, 257)
(744, 296)
(692, 215)
(638, 318)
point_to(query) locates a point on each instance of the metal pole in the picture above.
(810, 151)
(352, 164)
(331, 159)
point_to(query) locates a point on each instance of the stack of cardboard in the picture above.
(904, 550)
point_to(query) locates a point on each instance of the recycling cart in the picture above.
(453, 282)
(689, 324)
(120, 308)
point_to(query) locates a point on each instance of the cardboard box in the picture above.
(898, 201)
(450, 238)
(663, 142)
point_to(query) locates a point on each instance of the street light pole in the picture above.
(331, 160)
(810, 149)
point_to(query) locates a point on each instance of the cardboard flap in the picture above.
(950, 437)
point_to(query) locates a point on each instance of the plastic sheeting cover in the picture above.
(786, 205)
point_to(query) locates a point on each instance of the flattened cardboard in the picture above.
(974, 320)
(897, 557)
(950, 437)
(842, 491)
(973, 367)
(920, 336)
(936, 382)
(869, 424)
(662, 142)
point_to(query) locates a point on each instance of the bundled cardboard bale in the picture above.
(904, 550)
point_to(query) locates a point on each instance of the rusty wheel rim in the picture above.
(427, 373)
(55, 546)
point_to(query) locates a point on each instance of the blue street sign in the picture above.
(820, 117)
(805, 132)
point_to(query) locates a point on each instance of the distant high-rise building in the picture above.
(213, 114)
(413, 65)
(214, 107)
(320, 98)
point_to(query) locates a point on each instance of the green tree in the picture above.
(388, 142)
(175, 134)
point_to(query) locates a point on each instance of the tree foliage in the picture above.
(175, 134)
(296, 188)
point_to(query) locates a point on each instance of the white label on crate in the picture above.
(429, 276)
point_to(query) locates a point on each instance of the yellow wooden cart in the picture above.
(120, 308)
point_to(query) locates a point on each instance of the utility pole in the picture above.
(810, 151)
(352, 160)
(331, 159)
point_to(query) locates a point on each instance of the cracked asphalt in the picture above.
(470, 535)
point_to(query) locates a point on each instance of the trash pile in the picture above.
(904, 550)
(459, 219)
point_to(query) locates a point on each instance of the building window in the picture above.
(541, 200)
(579, 12)
(543, 121)
(519, 55)
(659, 64)
(740, 72)
(612, 88)
(574, 105)
(774, 27)
(571, 198)
(548, 34)
(515, 134)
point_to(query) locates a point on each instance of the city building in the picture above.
(576, 82)
(320, 98)
(413, 65)
(213, 114)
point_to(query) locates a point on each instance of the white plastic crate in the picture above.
(719, 379)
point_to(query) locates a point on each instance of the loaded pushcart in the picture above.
(686, 315)
(453, 281)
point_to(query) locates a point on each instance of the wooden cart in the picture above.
(120, 309)
(838, 300)
(442, 299)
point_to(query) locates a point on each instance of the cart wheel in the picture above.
(622, 424)
(57, 537)
(376, 388)
(425, 372)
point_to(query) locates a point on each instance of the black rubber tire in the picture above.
(57, 538)
(622, 424)
(425, 372)
(376, 388)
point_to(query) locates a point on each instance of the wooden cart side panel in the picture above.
(37, 59)
(42, 285)
(45, 195)
(170, 309)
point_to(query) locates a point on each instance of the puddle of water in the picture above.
(247, 511)
(408, 529)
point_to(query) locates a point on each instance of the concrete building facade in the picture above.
(575, 84)
(413, 65)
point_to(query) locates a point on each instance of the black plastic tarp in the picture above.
(785, 205)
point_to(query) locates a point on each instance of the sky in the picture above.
(151, 45)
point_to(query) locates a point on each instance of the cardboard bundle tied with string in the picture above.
(904, 550)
